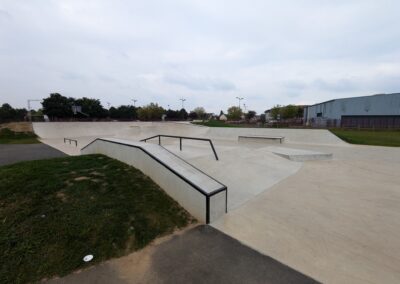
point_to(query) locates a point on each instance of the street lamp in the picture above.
(134, 102)
(183, 100)
(239, 100)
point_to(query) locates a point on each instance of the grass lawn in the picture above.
(216, 123)
(8, 136)
(369, 137)
(54, 212)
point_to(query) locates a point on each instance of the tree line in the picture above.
(59, 107)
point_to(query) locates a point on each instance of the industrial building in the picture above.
(376, 111)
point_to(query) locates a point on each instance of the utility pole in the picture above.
(239, 100)
(134, 102)
(183, 100)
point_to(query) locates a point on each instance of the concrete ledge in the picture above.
(203, 196)
(298, 155)
(259, 138)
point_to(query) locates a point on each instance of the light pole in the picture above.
(134, 102)
(239, 100)
(183, 100)
(29, 108)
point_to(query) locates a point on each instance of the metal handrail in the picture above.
(71, 140)
(180, 141)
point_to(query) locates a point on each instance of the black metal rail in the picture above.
(180, 141)
(71, 140)
(207, 195)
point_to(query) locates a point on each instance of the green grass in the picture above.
(216, 123)
(54, 212)
(369, 137)
(8, 136)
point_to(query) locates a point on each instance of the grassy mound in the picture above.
(54, 212)
(7, 136)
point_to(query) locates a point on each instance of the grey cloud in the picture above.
(5, 16)
(200, 84)
(294, 85)
(106, 78)
(342, 85)
(73, 76)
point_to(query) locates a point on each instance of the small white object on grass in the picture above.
(88, 258)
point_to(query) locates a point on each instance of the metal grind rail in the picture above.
(71, 140)
(180, 141)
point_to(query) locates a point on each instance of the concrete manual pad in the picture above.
(298, 155)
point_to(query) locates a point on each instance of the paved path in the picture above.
(199, 255)
(13, 153)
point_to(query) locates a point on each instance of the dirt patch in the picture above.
(61, 195)
(18, 126)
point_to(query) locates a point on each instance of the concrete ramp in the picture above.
(204, 197)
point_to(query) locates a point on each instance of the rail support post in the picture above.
(180, 143)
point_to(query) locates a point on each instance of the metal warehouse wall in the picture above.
(376, 105)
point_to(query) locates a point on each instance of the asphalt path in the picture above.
(13, 153)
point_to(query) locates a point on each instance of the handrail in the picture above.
(180, 141)
(207, 195)
(71, 140)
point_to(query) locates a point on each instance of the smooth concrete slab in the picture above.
(299, 155)
(337, 221)
(245, 171)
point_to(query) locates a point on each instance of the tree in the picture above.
(7, 113)
(263, 118)
(276, 111)
(124, 112)
(151, 112)
(234, 113)
(193, 115)
(201, 112)
(250, 114)
(91, 107)
(183, 115)
(289, 111)
(58, 106)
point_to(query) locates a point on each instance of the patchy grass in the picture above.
(54, 212)
(7, 136)
(369, 137)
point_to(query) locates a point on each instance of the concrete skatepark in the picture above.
(313, 202)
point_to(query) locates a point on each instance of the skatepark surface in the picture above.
(331, 214)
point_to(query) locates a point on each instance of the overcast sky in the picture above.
(208, 52)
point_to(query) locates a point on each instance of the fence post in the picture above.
(180, 143)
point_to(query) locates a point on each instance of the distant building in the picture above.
(376, 111)
(223, 117)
